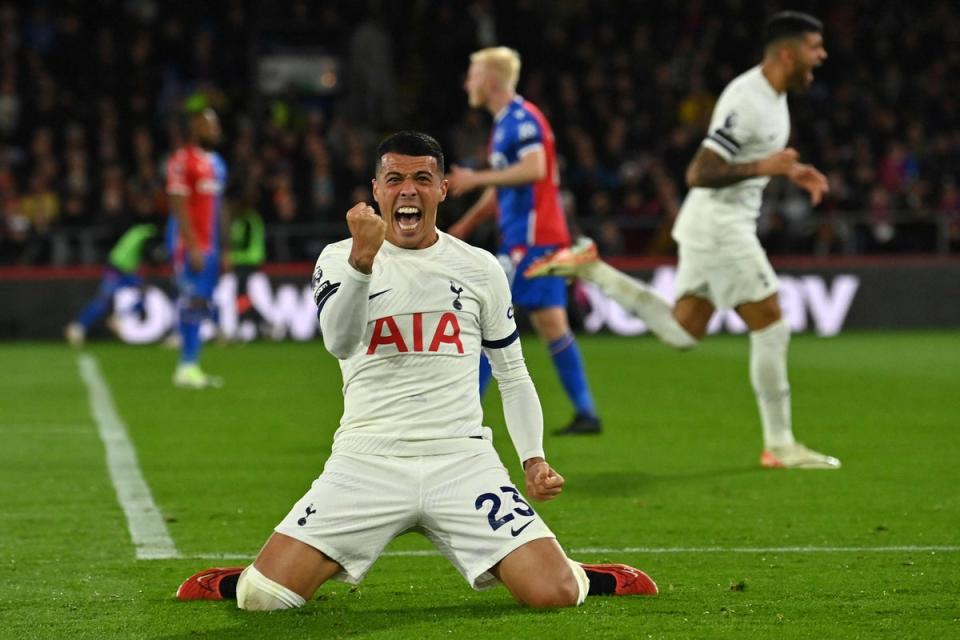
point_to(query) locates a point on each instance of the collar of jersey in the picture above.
(766, 83)
(517, 100)
(392, 249)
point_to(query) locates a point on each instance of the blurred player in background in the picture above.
(195, 179)
(140, 243)
(523, 186)
(721, 261)
(407, 309)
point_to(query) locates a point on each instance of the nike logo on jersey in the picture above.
(378, 293)
(516, 532)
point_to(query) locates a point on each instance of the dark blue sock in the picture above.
(190, 335)
(486, 371)
(569, 366)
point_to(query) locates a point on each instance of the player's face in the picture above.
(808, 54)
(474, 85)
(409, 189)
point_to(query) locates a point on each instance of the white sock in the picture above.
(768, 374)
(257, 592)
(641, 300)
(583, 582)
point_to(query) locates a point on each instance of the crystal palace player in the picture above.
(195, 179)
(522, 186)
(721, 261)
(406, 309)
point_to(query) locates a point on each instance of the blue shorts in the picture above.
(194, 284)
(534, 293)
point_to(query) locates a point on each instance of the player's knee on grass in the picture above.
(256, 592)
(566, 586)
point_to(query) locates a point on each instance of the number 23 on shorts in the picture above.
(520, 507)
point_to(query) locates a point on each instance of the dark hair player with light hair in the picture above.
(407, 310)
(722, 264)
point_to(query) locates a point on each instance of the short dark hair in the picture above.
(410, 143)
(789, 24)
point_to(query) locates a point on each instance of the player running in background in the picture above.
(407, 309)
(140, 243)
(523, 186)
(721, 261)
(195, 179)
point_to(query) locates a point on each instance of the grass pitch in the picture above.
(672, 486)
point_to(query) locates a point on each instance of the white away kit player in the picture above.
(721, 262)
(407, 310)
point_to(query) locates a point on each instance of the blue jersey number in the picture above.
(520, 507)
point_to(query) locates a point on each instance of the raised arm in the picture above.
(341, 283)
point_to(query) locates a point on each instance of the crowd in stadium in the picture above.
(90, 95)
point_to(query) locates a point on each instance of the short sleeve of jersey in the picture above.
(498, 328)
(329, 273)
(731, 125)
(179, 182)
(527, 133)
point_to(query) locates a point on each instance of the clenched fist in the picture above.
(543, 482)
(367, 230)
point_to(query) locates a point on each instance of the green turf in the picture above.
(676, 468)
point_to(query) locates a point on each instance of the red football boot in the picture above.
(206, 584)
(630, 581)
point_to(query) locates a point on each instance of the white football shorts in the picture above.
(725, 279)
(464, 503)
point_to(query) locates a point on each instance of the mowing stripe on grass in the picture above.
(148, 531)
(429, 553)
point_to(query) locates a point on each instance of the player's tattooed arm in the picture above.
(709, 170)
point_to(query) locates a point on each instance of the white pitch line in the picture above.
(148, 531)
(809, 549)
(428, 553)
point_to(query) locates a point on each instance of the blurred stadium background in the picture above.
(90, 93)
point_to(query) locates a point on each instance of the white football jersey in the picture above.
(750, 121)
(410, 386)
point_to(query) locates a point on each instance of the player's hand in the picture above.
(807, 176)
(461, 180)
(779, 163)
(226, 264)
(195, 256)
(543, 482)
(368, 231)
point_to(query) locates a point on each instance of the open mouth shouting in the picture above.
(407, 218)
